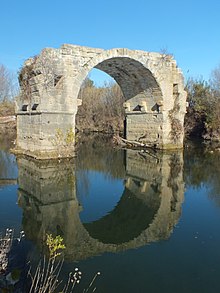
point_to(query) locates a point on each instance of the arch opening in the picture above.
(136, 91)
(101, 102)
(132, 77)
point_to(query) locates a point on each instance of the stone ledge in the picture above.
(44, 155)
(44, 112)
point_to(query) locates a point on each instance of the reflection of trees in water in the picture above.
(175, 169)
(83, 182)
(96, 153)
(8, 167)
(6, 141)
(202, 167)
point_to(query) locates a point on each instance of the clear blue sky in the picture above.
(189, 29)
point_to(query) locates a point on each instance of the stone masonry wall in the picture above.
(151, 82)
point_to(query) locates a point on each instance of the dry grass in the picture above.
(7, 108)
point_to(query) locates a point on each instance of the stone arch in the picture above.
(141, 90)
(129, 72)
(151, 82)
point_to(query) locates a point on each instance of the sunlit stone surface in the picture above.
(151, 82)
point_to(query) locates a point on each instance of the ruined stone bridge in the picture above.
(152, 84)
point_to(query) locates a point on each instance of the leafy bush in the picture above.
(203, 116)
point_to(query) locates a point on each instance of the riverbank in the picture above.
(8, 134)
(7, 131)
(8, 124)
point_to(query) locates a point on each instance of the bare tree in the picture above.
(215, 80)
(102, 107)
(8, 88)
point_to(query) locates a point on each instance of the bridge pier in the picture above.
(46, 135)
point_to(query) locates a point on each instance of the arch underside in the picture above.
(132, 77)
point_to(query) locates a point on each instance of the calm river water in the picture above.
(149, 222)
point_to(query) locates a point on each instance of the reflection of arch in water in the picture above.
(127, 221)
(47, 195)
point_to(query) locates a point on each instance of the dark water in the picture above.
(147, 222)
